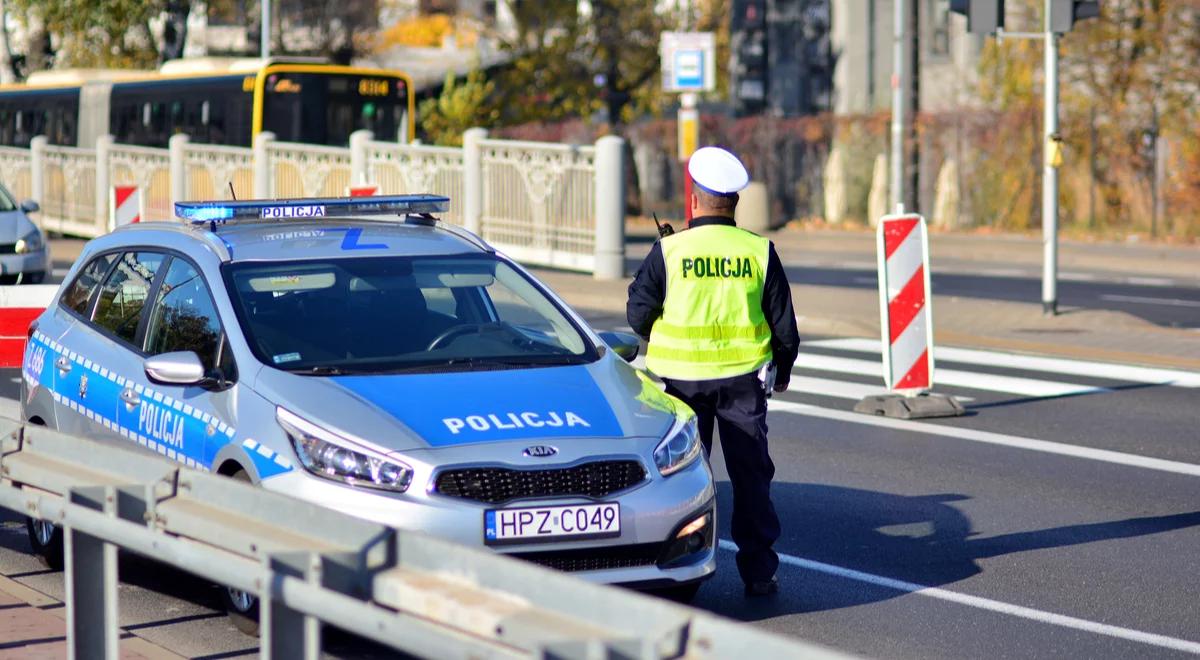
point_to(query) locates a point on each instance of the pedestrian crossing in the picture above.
(850, 368)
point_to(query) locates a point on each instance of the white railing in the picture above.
(541, 203)
(407, 168)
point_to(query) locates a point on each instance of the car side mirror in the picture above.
(177, 368)
(30, 206)
(623, 344)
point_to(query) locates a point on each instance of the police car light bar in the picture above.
(314, 207)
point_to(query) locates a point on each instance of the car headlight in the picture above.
(31, 242)
(679, 448)
(327, 455)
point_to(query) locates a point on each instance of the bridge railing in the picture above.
(544, 204)
(309, 565)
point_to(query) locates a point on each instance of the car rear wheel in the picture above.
(241, 606)
(46, 538)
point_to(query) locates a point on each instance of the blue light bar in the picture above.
(314, 207)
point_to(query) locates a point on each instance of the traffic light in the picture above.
(748, 37)
(983, 16)
(1064, 13)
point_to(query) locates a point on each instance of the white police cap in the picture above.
(718, 171)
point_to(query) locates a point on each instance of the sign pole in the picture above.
(899, 20)
(1050, 175)
(689, 137)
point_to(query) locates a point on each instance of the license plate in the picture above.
(580, 521)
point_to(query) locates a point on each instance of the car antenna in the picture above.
(212, 224)
(232, 195)
(664, 228)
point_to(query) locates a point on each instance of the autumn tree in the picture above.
(113, 33)
(460, 106)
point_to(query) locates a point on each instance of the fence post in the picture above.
(179, 175)
(91, 582)
(359, 141)
(263, 185)
(104, 145)
(473, 179)
(609, 167)
(37, 169)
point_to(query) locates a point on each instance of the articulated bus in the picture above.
(213, 100)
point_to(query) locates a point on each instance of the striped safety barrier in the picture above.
(19, 306)
(125, 205)
(904, 302)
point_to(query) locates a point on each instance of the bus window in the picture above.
(326, 108)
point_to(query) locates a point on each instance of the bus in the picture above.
(223, 101)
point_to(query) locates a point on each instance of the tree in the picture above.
(113, 33)
(573, 63)
(459, 107)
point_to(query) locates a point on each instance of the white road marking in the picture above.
(973, 380)
(1175, 377)
(1000, 607)
(1004, 272)
(1169, 302)
(1077, 277)
(839, 388)
(1150, 281)
(60, 272)
(988, 437)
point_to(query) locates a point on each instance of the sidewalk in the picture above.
(1098, 335)
(33, 626)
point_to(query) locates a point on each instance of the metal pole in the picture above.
(1050, 177)
(898, 101)
(265, 47)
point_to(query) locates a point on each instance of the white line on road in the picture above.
(60, 272)
(1040, 616)
(988, 437)
(1174, 377)
(973, 380)
(1169, 302)
(1077, 277)
(1150, 281)
(840, 389)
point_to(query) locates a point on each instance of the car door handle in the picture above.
(63, 364)
(131, 398)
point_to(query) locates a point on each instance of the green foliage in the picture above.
(112, 33)
(567, 64)
(459, 107)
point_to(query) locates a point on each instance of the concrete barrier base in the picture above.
(925, 404)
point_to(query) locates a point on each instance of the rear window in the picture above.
(80, 291)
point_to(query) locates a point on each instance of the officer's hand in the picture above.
(781, 385)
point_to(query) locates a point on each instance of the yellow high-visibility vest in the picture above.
(712, 324)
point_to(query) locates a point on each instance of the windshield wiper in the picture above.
(326, 370)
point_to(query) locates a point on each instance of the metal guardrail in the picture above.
(542, 203)
(310, 565)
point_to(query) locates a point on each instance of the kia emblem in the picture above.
(540, 451)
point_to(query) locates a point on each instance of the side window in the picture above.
(123, 296)
(80, 291)
(184, 318)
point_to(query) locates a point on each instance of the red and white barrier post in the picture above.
(906, 323)
(362, 190)
(19, 306)
(125, 206)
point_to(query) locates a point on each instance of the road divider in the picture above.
(19, 306)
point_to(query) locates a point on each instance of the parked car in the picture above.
(361, 355)
(24, 257)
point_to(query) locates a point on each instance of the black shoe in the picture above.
(762, 588)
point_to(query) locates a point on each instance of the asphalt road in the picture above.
(1004, 533)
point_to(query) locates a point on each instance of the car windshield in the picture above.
(7, 203)
(397, 314)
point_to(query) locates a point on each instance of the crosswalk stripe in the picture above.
(1136, 374)
(969, 379)
(839, 388)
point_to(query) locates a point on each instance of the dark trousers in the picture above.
(738, 407)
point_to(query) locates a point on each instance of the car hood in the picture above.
(395, 413)
(13, 225)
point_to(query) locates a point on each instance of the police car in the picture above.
(360, 354)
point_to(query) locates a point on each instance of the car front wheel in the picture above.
(241, 606)
(46, 538)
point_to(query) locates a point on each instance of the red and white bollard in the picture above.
(906, 323)
(124, 206)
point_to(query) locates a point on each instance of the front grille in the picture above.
(493, 485)
(595, 559)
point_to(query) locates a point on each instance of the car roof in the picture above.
(281, 240)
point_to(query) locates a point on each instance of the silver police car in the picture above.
(364, 356)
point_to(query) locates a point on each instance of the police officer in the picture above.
(715, 305)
